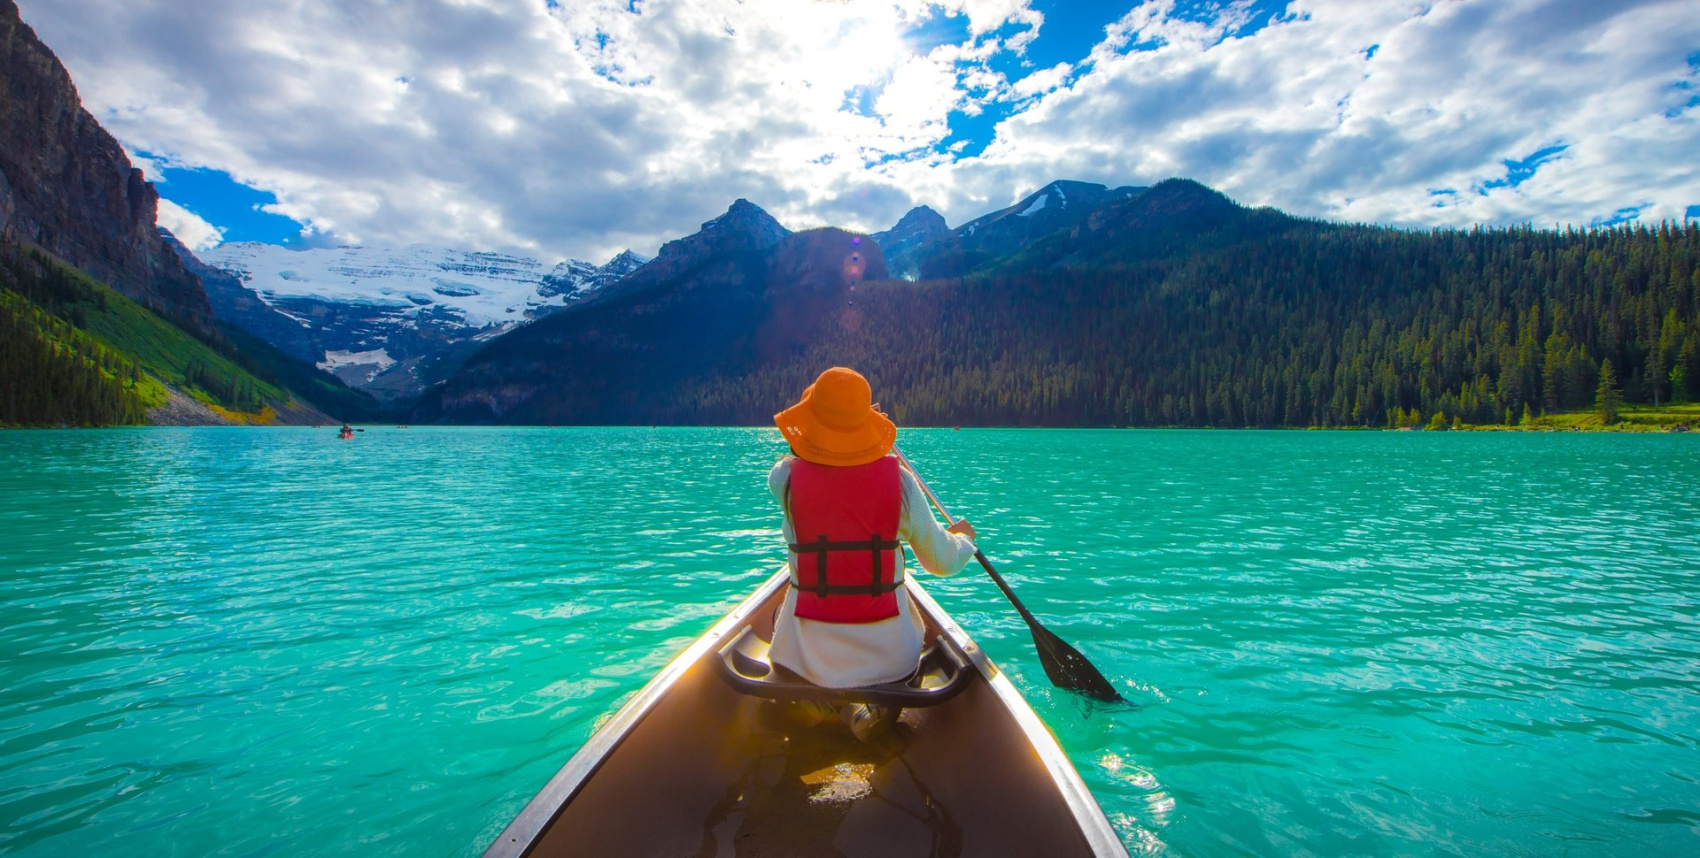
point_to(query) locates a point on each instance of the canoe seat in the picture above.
(943, 673)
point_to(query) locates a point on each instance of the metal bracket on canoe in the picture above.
(943, 673)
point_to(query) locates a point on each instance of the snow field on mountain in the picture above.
(483, 288)
(378, 359)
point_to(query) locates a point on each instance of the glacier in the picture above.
(391, 320)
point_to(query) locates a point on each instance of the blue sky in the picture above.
(241, 212)
(578, 129)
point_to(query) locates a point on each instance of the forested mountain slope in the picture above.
(1310, 327)
(74, 352)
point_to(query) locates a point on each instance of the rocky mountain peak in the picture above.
(577, 279)
(919, 220)
(744, 226)
(902, 243)
(1171, 204)
(744, 229)
(626, 260)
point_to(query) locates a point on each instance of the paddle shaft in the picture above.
(984, 563)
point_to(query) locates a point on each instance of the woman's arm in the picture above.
(940, 551)
(778, 478)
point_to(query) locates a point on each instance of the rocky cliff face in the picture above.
(67, 186)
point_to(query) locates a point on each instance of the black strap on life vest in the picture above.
(875, 544)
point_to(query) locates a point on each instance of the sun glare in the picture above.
(848, 45)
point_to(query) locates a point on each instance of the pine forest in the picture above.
(1307, 324)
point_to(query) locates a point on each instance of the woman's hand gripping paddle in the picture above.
(1064, 664)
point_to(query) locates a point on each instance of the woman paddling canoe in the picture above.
(695, 764)
(849, 506)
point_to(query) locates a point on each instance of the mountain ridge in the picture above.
(1171, 305)
(1058, 205)
(919, 228)
(743, 229)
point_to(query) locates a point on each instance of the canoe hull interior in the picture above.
(691, 767)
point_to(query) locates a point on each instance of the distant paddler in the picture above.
(847, 621)
(346, 433)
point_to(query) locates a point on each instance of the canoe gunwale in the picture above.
(527, 829)
(1094, 826)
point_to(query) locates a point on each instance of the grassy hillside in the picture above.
(1630, 418)
(79, 353)
(51, 373)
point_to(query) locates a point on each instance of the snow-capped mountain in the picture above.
(1058, 205)
(575, 278)
(392, 320)
(483, 289)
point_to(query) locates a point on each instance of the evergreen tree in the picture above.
(1655, 373)
(1608, 398)
(1685, 374)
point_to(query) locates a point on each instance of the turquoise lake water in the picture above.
(267, 641)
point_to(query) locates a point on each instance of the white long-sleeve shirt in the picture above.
(849, 655)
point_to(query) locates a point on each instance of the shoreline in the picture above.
(332, 426)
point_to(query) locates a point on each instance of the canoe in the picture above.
(693, 766)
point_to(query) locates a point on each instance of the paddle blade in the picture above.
(1068, 669)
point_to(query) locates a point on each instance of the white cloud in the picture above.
(189, 228)
(1372, 111)
(1043, 81)
(586, 128)
(574, 130)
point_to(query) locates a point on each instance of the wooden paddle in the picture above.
(1064, 664)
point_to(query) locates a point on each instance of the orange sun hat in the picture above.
(835, 423)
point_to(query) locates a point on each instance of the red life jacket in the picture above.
(848, 556)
